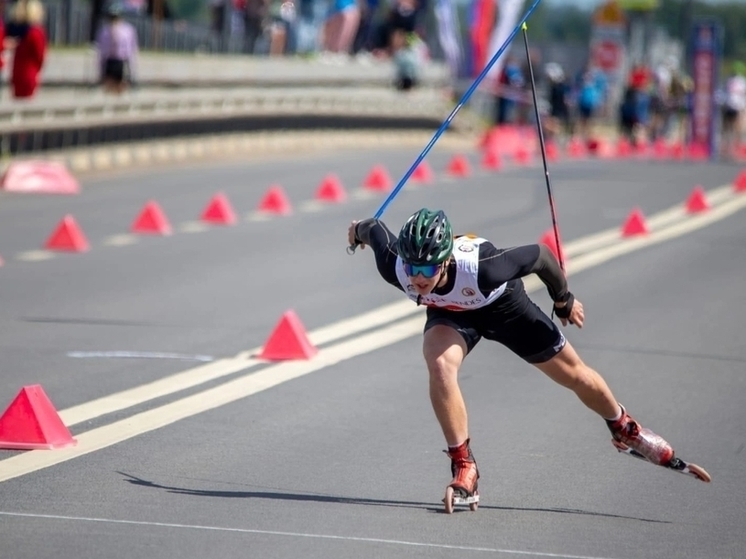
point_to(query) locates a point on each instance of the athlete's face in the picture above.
(424, 278)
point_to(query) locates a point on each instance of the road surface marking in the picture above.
(273, 375)
(297, 535)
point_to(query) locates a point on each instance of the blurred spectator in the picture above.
(679, 96)
(283, 27)
(510, 85)
(589, 101)
(217, 15)
(341, 26)
(660, 103)
(30, 47)
(364, 37)
(558, 121)
(255, 22)
(2, 46)
(407, 52)
(117, 47)
(734, 110)
(97, 8)
(635, 107)
(400, 16)
(156, 8)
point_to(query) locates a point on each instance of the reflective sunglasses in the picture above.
(427, 270)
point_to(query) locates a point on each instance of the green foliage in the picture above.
(571, 24)
(558, 23)
(674, 16)
(190, 10)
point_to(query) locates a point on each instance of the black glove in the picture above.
(564, 312)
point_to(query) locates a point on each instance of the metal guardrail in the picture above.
(73, 123)
(96, 120)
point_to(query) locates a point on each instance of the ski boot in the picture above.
(629, 437)
(463, 488)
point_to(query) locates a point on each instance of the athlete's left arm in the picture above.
(496, 266)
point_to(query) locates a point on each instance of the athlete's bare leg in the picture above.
(444, 350)
(567, 369)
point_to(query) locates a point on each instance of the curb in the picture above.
(250, 145)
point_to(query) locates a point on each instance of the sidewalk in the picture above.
(78, 67)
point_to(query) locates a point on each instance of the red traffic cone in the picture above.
(30, 422)
(378, 179)
(576, 148)
(219, 211)
(68, 236)
(635, 224)
(275, 201)
(549, 239)
(697, 201)
(699, 152)
(677, 151)
(660, 149)
(551, 151)
(331, 190)
(623, 148)
(491, 160)
(459, 166)
(522, 156)
(151, 220)
(740, 183)
(288, 340)
(422, 173)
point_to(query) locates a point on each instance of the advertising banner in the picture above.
(706, 49)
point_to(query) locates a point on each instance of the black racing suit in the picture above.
(513, 319)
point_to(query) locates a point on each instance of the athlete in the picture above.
(473, 290)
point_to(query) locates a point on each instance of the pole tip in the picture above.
(524, 27)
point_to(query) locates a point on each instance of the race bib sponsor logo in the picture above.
(467, 247)
(468, 292)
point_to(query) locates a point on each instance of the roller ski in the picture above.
(463, 489)
(630, 438)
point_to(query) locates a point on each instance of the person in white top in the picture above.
(118, 50)
(734, 111)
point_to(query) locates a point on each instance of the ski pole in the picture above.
(524, 27)
(450, 117)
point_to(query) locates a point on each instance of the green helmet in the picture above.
(426, 238)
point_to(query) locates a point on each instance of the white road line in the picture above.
(475, 549)
(694, 223)
(656, 221)
(224, 367)
(364, 194)
(258, 216)
(138, 355)
(273, 375)
(193, 227)
(209, 399)
(310, 206)
(121, 240)
(35, 255)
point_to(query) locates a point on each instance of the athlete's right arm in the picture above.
(383, 242)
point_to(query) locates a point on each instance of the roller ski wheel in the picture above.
(454, 498)
(676, 464)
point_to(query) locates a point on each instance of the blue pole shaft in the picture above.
(455, 111)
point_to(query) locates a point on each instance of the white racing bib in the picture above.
(465, 295)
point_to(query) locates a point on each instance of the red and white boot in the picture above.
(463, 488)
(629, 434)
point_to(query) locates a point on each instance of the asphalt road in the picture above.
(344, 458)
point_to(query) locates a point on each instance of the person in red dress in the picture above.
(28, 58)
